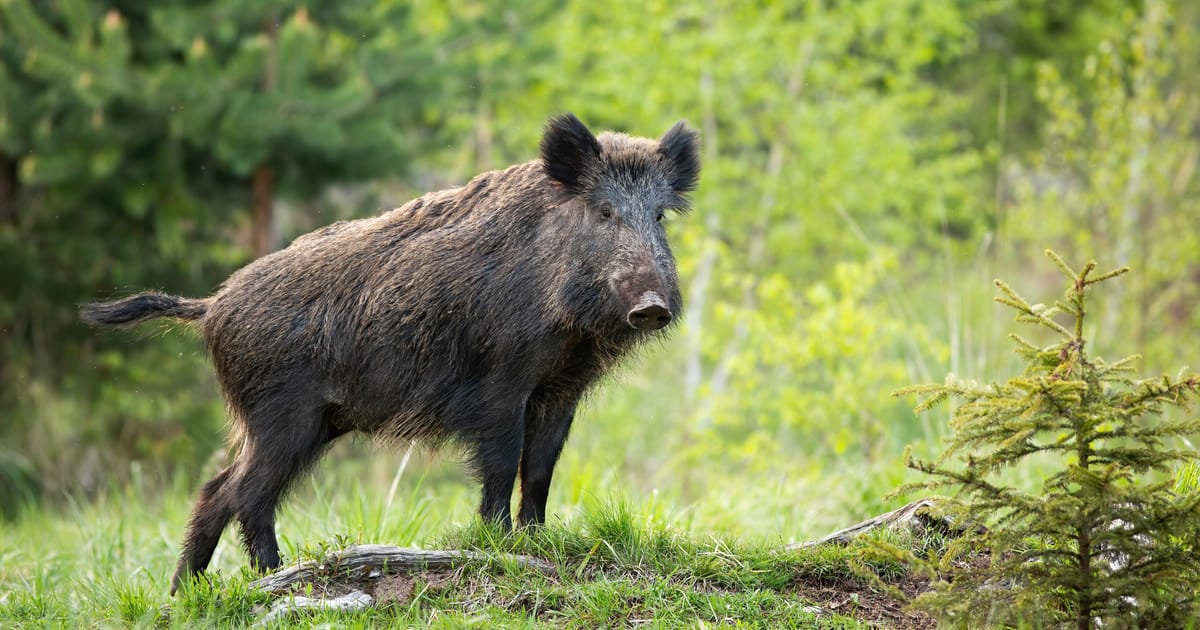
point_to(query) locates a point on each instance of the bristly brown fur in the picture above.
(138, 308)
(479, 314)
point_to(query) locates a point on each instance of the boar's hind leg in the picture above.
(280, 445)
(209, 517)
(545, 434)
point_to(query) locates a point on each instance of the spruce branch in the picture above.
(1107, 276)
(1062, 264)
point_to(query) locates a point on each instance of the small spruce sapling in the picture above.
(1109, 539)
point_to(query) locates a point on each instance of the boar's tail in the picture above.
(140, 307)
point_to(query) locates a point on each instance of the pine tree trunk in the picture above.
(263, 182)
(1085, 571)
(1084, 538)
(263, 190)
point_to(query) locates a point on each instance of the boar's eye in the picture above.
(659, 217)
(606, 212)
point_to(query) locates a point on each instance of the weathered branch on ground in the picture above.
(354, 600)
(914, 518)
(361, 561)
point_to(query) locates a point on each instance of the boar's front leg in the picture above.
(545, 433)
(499, 436)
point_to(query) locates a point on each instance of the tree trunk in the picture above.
(263, 181)
(263, 191)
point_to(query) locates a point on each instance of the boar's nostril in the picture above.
(650, 313)
(649, 318)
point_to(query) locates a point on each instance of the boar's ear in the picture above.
(680, 145)
(569, 152)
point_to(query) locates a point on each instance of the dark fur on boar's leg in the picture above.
(477, 315)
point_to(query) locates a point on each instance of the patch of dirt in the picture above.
(392, 588)
(867, 603)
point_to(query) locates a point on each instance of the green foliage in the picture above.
(1015, 37)
(19, 485)
(1106, 538)
(825, 354)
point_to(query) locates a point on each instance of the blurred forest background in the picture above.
(869, 167)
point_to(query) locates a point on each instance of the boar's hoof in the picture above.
(651, 312)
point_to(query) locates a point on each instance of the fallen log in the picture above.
(355, 600)
(362, 561)
(916, 518)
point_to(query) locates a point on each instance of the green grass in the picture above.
(107, 562)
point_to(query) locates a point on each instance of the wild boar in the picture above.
(477, 315)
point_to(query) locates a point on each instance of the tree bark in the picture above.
(263, 192)
(262, 183)
(914, 517)
(373, 560)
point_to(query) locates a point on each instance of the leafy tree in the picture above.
(1117, 172)
(1012, 38)
(1108, 538)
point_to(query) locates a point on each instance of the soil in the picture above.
(868, 604)
(393, 588)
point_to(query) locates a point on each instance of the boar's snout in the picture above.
(650, 312)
